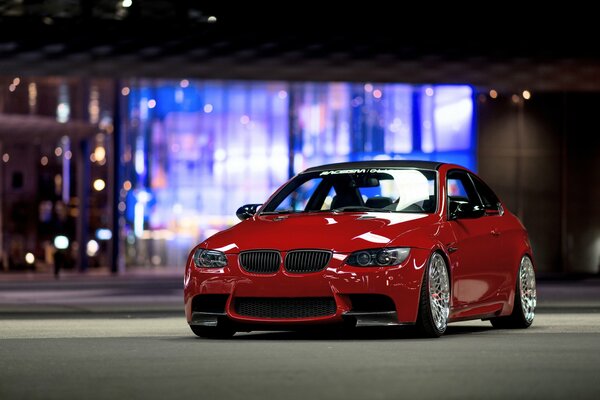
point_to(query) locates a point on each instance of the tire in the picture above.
(434, 301)
(525, 300)
(209, 332)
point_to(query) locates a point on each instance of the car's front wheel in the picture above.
(434, 303)
(213, 332)
(525, 299)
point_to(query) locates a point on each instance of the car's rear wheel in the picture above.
(434, 303)
(525, 299)
(213, 332)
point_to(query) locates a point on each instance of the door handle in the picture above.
(495, 232)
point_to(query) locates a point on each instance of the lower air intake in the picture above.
(298, 307)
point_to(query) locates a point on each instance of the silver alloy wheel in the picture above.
(527, 289)
(439, 291)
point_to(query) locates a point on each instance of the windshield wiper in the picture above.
(277, 212)
(358, 208)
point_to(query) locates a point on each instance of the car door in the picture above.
(504, 233)
(474, 252)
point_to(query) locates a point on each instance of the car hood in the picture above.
(344, 232)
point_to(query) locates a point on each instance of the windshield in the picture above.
(365, 189)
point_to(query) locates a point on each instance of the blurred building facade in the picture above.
(50, 129)
(141, 170)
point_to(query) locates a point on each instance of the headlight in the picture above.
(378, 257)
(209, 258)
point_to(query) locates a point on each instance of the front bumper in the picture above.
(339, 281)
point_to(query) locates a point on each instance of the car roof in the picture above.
(434, 165)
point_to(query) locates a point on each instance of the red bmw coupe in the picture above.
(366, 243)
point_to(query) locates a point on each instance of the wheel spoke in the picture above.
(439, 293)
(527, 289)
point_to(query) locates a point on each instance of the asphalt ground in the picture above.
(126, 337)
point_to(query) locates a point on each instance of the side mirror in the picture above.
(467, 210)
(246, 211)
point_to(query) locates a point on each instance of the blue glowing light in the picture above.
(207, 147)
(103, 234)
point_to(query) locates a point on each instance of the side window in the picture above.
(456, 189)
(488, 197)
(460, 190)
